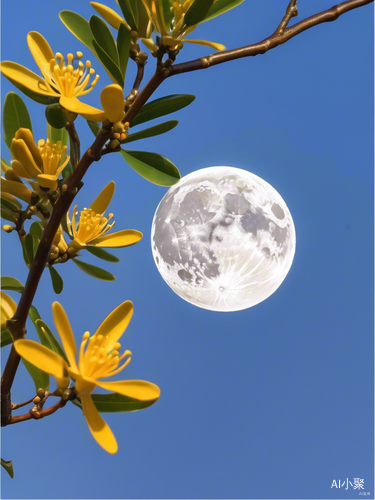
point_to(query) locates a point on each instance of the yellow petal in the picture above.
(213, 45)
(101, 202)
(8, 308)
(98, 427)
(17, 189)
(76, 106)
(112, 100)
(40, 50)
(120, 239)
(112, 18)
(41, 357)
(10, 175)
(21, 152)
(23, 76)
(19, 170)
(116, 323)
(150, 45)
(137, 389)
(47, 181)
(27, 136)
(66, 334)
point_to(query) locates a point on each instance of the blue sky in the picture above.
(271, 402)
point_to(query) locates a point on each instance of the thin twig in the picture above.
(17, 324)
(271, 42)
(74, 182)
(291, 11)
(37, 415)
(15, 407)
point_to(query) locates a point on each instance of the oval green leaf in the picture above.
(5, 338)
(161, 107)
(36, 230)
(153, 167)
(162, 128)
(8, 466)
(123, 47)
(128, 13)
(28, 247)
(7, 214)
(45, 335)
(109, 65)
(55, 135)
(15, 116)
(57, 281)
(102, 254)
(220, 7)
(41, 379)
(11, 205)
(80, 28)
(197, 11)
(95, 272)
(9, 283)
(113, 403)
(103, 37)
(55, 116)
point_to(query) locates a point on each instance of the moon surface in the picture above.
(223, 239)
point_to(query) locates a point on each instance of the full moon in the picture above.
(223, 239)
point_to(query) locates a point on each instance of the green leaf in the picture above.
(197, 11)
(111, 67)
(41, 379)
(55, 135)
(123, 47)
(7, 214)
(111, 403)
(128, 13)
(153, 167)
(55, 116)
(8, 466)
(6, 338)
(30, 247)
(168, 13)
(161, 107)
(15, 116)
(102, 254)
(80, 28)
(162, 128)
(46, 337)
(9, 283)
(220, 7)
(103, 37)
(94, 127)
(36, 230)
(57, 281)
(95, 272)
(12, 205)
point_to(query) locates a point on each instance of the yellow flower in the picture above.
(43, 162)
(99, 359)
(92, 227)
(63, 80)
(8, 308)
(60, 77)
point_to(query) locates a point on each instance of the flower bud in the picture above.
(7, 228)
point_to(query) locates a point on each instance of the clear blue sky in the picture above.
(271, 402)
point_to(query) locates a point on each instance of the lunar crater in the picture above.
(223, 239)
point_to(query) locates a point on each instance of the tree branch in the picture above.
(17, 324)
(37, 415)
(272, 41)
